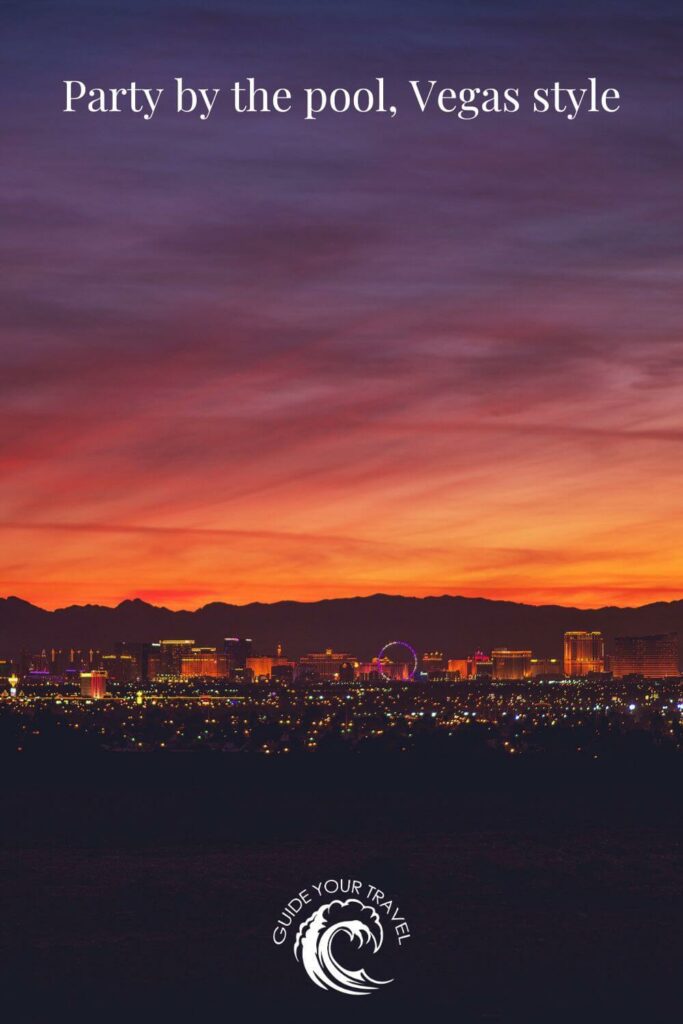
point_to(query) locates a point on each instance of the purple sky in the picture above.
(259, 358)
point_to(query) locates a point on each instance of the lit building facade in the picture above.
(511, 665)
(479, 665)
(120, 668)
(584, 653)
(327, 664)
(653, 657)
(204, 661)
(434, 661)
(546, 668)
(459, 667)
(263, 665)
(140, 654)
(171, 654)
(93, 684)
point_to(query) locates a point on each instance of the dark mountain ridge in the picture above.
(359, 625)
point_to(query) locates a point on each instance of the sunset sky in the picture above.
(258, 359)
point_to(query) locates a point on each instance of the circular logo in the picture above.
(335, 940)
(313, 946)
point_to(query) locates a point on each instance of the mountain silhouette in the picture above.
(359, 625)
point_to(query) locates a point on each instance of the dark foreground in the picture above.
(148, 887)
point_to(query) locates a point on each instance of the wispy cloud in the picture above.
(257, 358)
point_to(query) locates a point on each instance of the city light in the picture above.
(177, 695)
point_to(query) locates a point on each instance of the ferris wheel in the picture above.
(411, 663)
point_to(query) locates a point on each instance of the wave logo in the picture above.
(335, 927)
(313, 945)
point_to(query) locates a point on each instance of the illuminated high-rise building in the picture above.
(237, 649)
(511, 665)
(171, 654)
(120, 668)
(93, 684)
(479, 665)
(140, 654)
(154, 661)
(204, 661)
(546, 668)
(40, 662)
(459, 667)
(653, 657)
(61, 660)
(584, 653)
(71, 659)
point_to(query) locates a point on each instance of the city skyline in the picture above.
(241, 660)
(173, 695)
(455, 625)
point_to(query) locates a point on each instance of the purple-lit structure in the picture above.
(398, 643)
